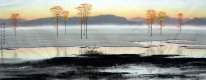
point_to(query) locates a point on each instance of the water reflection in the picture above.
(157, 47)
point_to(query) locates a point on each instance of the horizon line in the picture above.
(102, 15)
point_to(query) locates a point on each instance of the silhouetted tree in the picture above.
(56, 11)
(161, 19)
(161, 16)
(14, 21)
(3, 40)
(180, 23)
(84, 11)
(180, 20)
(150, 18)
(81, 21)
(2, 55)
(65, 15)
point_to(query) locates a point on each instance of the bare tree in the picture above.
(65, 15)
(56, 11)
(2, 54)
(3, 41)
(180, 20)
(88, 11)
(150, 18)
(148, 25)
(84, 11)
(81, 21)
(161, 18)
(14, 21)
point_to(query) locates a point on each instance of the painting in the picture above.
(102, 40)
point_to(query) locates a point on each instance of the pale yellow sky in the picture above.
(31, 9)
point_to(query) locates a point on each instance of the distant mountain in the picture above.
(109, 19)
(197, 21)
(168, 21)
(7, 21)
(103, 19)
(174, 21)
(138, 20)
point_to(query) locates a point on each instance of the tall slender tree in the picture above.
(88, 11)
(65, 15)
(148, 25)
(150, 18)
(3, 40)
(56, 11)
(180, 20)
(2, 55)
(161, 18)
(81, 18)
(81, 21)
(180, 23)
(83, 12)
(15, 20)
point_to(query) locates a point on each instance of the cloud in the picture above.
(9, 3)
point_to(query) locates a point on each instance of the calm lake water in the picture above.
(36, 43)
(41, 42)
(146, 48)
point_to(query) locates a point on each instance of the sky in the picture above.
(32, 9)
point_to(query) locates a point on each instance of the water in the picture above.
(35, 43)
(41, 42)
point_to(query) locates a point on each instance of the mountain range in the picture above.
(102, 20)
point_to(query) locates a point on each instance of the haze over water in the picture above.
(40, 42)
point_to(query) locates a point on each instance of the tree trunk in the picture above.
(15, 32)
(65, 52)
(57, 26)
(15, 54)
(2, 54)
(57, 55)
(161, 37)
(161, 31)
(180, 28)
(148, 30)
(81, 29)
(151, 30)
(86, 27)
(2, 58)
(65, 24)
